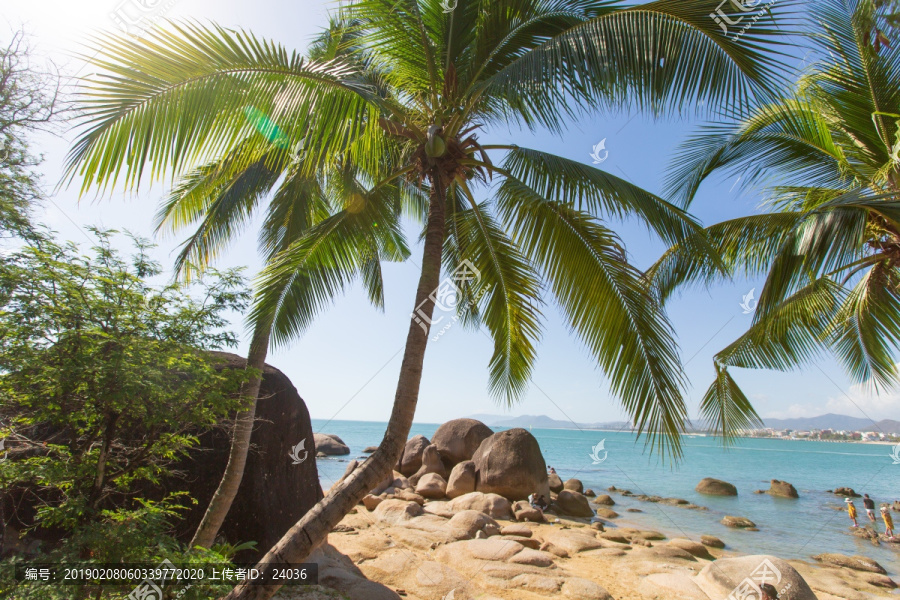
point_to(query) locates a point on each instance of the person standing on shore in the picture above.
(869, 505)
(888, 523)
(851, 510)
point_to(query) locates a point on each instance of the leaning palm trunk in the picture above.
(240, 443)
(296, 545)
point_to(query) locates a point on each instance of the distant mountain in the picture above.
(829, 421)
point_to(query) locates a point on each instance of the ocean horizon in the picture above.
(790, 528)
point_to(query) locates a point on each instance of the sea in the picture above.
(815, 523)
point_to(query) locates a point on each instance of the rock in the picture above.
(411, 459)
(720, 578)
(370, 449)
(517, 529)
(371, 502)
(857, 563)
(716, 487)
(711, 541)
(846, 492)
(493, 505)
(396, 512)
(782, 489)
(574, 485)
(462, 479)
(555, 483)
(465, 524)
(338, 572)
(737, 522)
(634, 510)
(533, 558)
(693, 548)
(457, 440)
(330, 445)
(409, 497)
(259, 511)
(528, 542)
(607, 513)
(431, 463)
(671, 585)
(605, 500)
(523, 511)
(573, 504)
(584, 589)
(674, 501)
(571, 541)
(431, 486)
(589, 493)
(510, 463)
(598, 526)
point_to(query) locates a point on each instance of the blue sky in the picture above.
(346, 365)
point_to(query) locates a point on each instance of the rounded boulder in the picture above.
(457, 440)
(411, 460)
(330, 445)
(510, 463)
(716, 487)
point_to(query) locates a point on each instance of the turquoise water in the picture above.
(788, 528)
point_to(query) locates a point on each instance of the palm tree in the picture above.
(401, 106)
(829, 157)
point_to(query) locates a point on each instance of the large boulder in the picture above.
(716, 487)
(466, 523)
(462, 479)
(782, 489)
(431, 463)
(573, 504)
(722, 577)
(493, 505)
(575, 485)
(510, 463)
(457, 440)
(411, 459)
(431, 486)
(330, 445)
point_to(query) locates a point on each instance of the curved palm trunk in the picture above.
(296, 545)
(240, 444)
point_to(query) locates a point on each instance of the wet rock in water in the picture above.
(711, 541)
(606, 513)
(493, 505)
(555, 483)
(633, 510)
(330, 445)
(432, 486)
(589, 493)
(574, 485)
(605, 500)
(737, 522)
(457, 440)
(718, 579)
(370, 449)
(674, 501)
(716, 487)
(462, 479)
(573, 504)
(411, 459)
(857, 563)
(782, 489)
(510, 463)
(846, 492)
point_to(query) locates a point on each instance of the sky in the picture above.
(346, 365)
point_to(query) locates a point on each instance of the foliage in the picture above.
(382, 119)
(29, 100)
(107, 381)
(827, 157)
